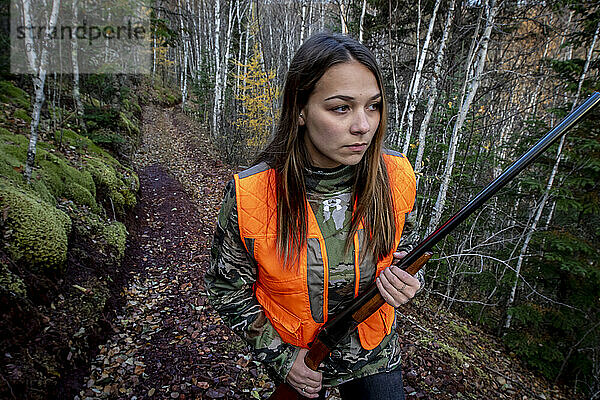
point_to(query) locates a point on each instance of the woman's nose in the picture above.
(360, 124)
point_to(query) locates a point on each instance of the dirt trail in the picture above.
(166, 342)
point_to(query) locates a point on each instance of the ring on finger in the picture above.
(304, 389)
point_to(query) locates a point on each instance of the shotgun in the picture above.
(344, 323)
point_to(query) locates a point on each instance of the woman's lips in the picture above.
(357, 147)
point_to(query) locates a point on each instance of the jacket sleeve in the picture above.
(229, 286)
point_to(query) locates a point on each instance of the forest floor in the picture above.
(168, 344)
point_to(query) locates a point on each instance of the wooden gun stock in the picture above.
(319, 351)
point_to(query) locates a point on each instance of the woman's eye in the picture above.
(374, 106)
(341, 108)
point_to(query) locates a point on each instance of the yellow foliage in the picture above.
(162, 58)
(257, 96)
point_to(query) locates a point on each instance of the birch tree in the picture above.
(186, 43)
(361, 29)
(75, 65)
(412, 97)
(434, 92)
(218, 66)
(39, 68)
(473, 85)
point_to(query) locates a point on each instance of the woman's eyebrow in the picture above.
(350, 98)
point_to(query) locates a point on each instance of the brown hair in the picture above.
(287, 153)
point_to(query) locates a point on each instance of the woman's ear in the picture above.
(301, 119)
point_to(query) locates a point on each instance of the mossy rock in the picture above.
(83, 144)
(103, 174)
(108, 237)
(80, 195)
(11, 94)
(35, 232)
(115, 235)
(116, 189)
(127, 122)
(11, 282)
(60, 179)
(13, 152)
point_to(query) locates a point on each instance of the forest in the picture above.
(471, 86)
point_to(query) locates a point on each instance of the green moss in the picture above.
(22, 114)
(127, 123)
(61, 178)
(108, 236)
(11, 94)
(170, 99)
(79, 195)
(115, 235)
(460, 330)
(11, 164)
(69, 138)
(36, 233)
(11, 282)
(5, 132)
(103, 174)
(117, 190)
(39, 187)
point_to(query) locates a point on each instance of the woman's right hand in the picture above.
(306, 381)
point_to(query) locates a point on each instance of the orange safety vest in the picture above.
(283, 293)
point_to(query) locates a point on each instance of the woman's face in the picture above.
(341, 115)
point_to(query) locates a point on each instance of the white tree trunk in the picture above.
(462, 115)
(310, 15)
(412, 98)
(39, 79)
(412, 79)
(344, 26)
(433, 95)
(225, 68)
(361, 29)
(75, 64)
(218, 72)
(303, 22)
(186, 51)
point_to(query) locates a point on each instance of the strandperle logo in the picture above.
(81, 35)
(83, 32)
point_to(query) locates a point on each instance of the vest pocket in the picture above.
(372, 331)
(284, 322)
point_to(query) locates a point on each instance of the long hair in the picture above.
(287, 154)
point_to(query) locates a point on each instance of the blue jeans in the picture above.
(383, 386)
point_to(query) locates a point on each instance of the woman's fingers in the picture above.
(306, 381)
(396, 286)
(398, 255)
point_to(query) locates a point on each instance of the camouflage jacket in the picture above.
(233, 272)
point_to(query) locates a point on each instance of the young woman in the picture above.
(314, 223)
